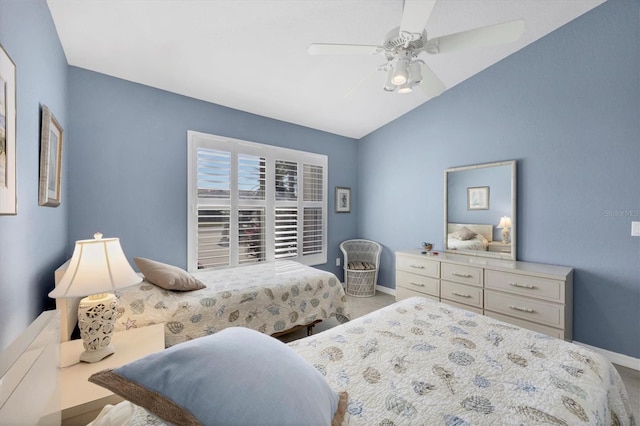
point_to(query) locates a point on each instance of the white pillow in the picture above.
(168, 277)
(463, 234)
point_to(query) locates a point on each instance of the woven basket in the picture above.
(360, 283)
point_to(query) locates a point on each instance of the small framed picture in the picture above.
(50, 160)
(343, 200)
(8, 198)
(478, 198)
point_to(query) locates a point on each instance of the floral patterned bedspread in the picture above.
(423, 362)
(268, 297)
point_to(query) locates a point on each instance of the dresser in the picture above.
(530, 295)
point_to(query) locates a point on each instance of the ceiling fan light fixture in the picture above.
(405, 88)
(414, 72)
(389, 86)
(400, 72)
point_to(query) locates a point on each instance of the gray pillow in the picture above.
(167, 276)
(237, 376)
(464, 234)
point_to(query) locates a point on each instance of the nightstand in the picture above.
(499, 247)
(81, 400)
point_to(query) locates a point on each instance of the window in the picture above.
(251, 203)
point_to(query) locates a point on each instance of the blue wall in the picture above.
(567, 108)
(128, 163)
(33, 242)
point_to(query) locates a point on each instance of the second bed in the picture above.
(271, 297)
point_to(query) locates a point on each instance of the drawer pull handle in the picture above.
(455, 293)
(417, 266)
(457, 274)
(517, 308)
(529, 286)
(416, 284)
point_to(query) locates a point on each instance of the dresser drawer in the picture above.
(404, 293)
(521, 307)
(462, 274)
(525, 285)
(539, 328)
(469, 295)
(417, 265)
(419, 283)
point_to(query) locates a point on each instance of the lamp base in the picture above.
(95, 356)
(96, 320)
(505, 235)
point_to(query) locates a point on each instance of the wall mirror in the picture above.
(480, 210)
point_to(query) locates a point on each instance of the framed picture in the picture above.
(8, 199)
(343, 200)
(50, 160)
(478, 198)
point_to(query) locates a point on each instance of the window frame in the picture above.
(236, 147)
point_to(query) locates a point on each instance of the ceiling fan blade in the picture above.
(431, 85)
(479, 37)
(415, 15)
(343, 49)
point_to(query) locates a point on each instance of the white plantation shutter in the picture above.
(286, 180)
(251, 177)
(214, 168)
(213, 238)
(251, 235)
(253, 203)
(313, 201)
(286, 233)
(313, 183)
(213, 213)
(312, 231)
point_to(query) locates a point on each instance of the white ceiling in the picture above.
(251, 55)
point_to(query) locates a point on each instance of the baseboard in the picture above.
(614, 357)
(386, 290)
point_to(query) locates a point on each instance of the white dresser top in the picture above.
(538, 269)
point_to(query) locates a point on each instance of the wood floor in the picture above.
(362, 305)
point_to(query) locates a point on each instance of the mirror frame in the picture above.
(514, 205)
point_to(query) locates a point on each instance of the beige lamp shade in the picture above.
(505, 222)
(97, 266)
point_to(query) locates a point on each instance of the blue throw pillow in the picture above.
(235, 377)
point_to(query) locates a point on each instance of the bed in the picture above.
(465, 236)
(423, 362)
(271, 297)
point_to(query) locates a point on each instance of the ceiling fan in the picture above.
(402, 46)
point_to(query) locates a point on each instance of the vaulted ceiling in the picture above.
(251, 55)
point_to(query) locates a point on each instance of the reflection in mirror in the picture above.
(480, 210)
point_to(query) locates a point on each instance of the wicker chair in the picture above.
(361, 262)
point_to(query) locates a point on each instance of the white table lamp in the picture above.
(505, 224)
(97, 268)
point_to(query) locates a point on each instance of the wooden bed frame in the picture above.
(30, 375)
